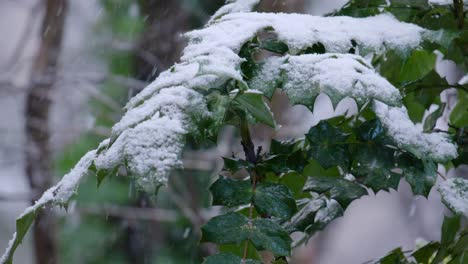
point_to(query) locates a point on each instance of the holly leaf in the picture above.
(305, 217)
(431, 119)
(282, 147)
(275, 46)
(420, 174)
(228, 258)
(327, 145)
(252, 102)
(230, 192)
(238, 250)
(226, 229)
(314, 216)
(459, 115)
(265, 234)
(426, 91)
(341, 190)
(370, 130)
(234, 164)
(373, 167)
(450, 229)
(272, 199)
(394, 257)
(268, 235)
(424, 254)
(417, 65)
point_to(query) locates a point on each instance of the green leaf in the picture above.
(235, 228)
(314, 216)
(327, 145)
(317, 48)
(102, 174)
(268, 235)
(275, 46)
(252, 102)
(227, 258)
(282, 147)
(23, 223)
(234, 165)
(415, 109)
(225, 229)
(459, 115)
(424, 254)
(238, 250)
(450, 229)
(418, 65)
(373, 167)
(305, 217)
(314, 169)
(341, 190)
(326, 215)
(230, 192)
(370, 130)
(431, 119)
(294, 181)
(394, 257)
(273, 199)
(426, 91)
(294, 161)
(249, 67)
(420, 174)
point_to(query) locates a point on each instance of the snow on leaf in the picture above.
(57, 195)
(150, 137)
(454, 192)
(408, 136)
(302, 31)
(337, 75)
(234, 6)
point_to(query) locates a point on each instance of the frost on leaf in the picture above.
(454, 192)
(59, 194)
(408, 136)
(304, 77)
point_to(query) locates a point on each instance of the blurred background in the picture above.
(89, 57)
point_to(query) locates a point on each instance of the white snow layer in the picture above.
(337, 75)
(454, 192)
(299, 31)
(407, 135)
(234, 6)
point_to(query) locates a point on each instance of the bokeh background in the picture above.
(107, 51)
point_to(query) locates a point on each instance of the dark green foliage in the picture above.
(327, 145)
(235, 228)
(227, 258)
(275, 46)
(272, 199)
(231, 192)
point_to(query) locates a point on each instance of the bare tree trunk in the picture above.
(161, 42)
(38, 159)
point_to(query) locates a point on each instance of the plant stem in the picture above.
(247, 143)
(458, 8)
(251, 156)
